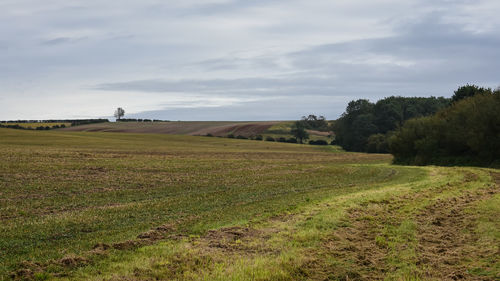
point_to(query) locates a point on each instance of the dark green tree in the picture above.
(363, 119)
(314, 122)
(467, 132)
(469, 91)
(299, 132)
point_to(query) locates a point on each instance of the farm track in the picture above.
(447, 238)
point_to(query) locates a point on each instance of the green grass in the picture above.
(62, 193)
(283, 128)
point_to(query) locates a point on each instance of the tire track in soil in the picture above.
(354, 246)
(442, 243)
(446, 236)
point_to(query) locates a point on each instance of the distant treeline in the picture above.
(14, 124)
(77, 122)
(466, 133)
(139, 120)
(41, 127)
(365, 126)
(272, 139)
(72, 121)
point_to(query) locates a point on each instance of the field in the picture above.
(37, 124)
(216, 128)
(109, 206)
(274, 129)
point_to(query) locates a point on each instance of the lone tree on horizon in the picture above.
(119, 112)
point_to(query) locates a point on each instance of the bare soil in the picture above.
(199, 128)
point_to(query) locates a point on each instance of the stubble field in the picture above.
(116, 206)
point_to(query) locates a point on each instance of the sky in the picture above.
(237, 59)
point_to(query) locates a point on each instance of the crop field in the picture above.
(199, 128)
(273, 129)
(37, 124)
(124, 206)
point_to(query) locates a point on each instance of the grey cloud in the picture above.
(62, 40)
(426, 58)
(276, 109)
(291, 50)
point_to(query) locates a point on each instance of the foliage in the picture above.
(299, 131)
(468, 132)
(318, 142)
(314, 122)
(469, 91)
(268, 138)
(377, 143)
(52, 124)
(363, 119)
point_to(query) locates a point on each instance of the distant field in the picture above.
(216, 128)
(274, 129)
(35, 125)
(102, 206)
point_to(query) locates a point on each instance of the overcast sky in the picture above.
(237, 59)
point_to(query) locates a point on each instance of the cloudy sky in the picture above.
(237, 59)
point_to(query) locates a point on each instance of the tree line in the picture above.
(76, 121)
(14, 124)
(465, 133)
(365, 126)
(462, 130)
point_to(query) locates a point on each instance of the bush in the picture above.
(231, 136)
(377, 143)
(270, 139)
(241, 137)
(291, 140)
(333, 142)
(281, 139)
(258, 137)
(318, 142)
(209, 135)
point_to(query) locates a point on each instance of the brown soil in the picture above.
(72, 261)
(354, 246)
(179, 128)
(319, 133)
(27, 270)
(236, 239)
